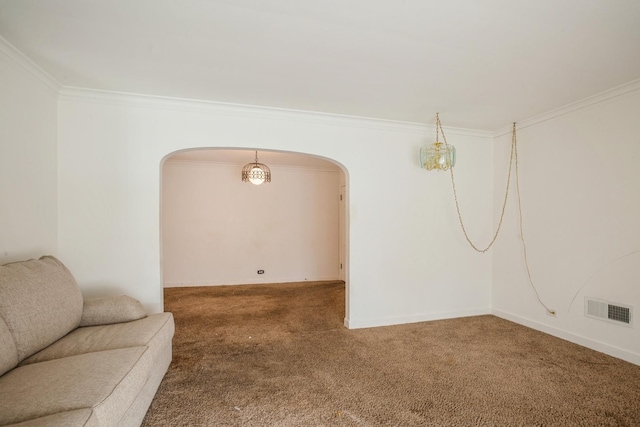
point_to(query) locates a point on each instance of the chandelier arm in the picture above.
(506, 194)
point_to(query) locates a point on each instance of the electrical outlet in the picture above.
(260, 271)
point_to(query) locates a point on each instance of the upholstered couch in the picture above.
(69, 361)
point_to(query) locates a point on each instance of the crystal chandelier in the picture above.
(439, 156)
(256, 173)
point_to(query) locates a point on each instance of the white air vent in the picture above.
(615, 313)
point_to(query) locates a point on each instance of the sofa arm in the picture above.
(107, 310)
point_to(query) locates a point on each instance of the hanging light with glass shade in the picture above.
(256, 173)
(439, 156)
(442, 156)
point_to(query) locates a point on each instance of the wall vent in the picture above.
(615, 313)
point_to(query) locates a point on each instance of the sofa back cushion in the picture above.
(40, 302)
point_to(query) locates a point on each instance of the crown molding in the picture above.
(20, 59)
(77, 94)
(607, 95)
(194, 105)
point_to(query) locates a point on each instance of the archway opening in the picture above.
(218, 230)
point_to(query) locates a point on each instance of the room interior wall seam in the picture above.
(30, 135)
(127, 98)
(581, 340)
(14, 54)
(271, 280)
(626, 89)
(52, 87)
(257, 111)
(402, 320)
(574, 125)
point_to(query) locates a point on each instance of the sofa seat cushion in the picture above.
(104, 382)
(79, 417)
(144, 332)
(40, 302)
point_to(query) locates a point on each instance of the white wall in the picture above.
(28, 159)
(407, 260)
(218, 230)
(580, 183)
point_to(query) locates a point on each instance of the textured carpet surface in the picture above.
(279, 355)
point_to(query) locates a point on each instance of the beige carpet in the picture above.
(278, 355)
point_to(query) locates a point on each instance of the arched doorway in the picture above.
(218, 230)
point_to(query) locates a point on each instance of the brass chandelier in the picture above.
(442, 156)
(256, 173)
(438, 156)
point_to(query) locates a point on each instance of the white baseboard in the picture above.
(266, 280)
(426, 317)
(574, 338)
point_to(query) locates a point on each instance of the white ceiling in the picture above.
(481, 64)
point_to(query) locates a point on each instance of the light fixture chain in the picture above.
(513, 159)
(524, 243)
(506, 193)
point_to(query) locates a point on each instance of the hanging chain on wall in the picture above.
(513, 160)
(514, 155)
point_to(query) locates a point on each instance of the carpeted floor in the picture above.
(278, 355)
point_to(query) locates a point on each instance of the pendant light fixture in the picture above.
(438, 156)
(442, 156)
(256, 173)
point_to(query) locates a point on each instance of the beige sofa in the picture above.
(66, 361)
